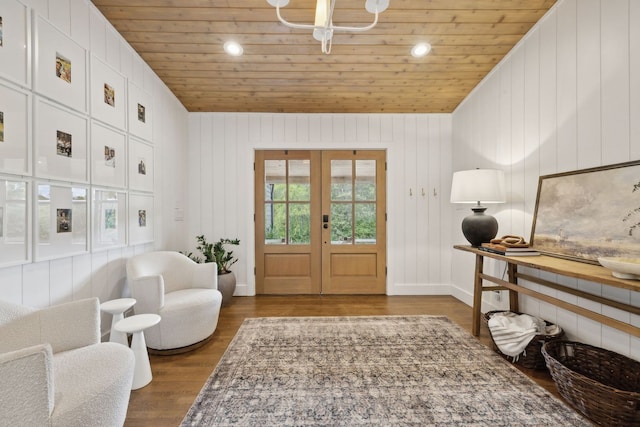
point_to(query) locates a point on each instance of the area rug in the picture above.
(383, 371)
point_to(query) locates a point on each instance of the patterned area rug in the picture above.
(389, 370)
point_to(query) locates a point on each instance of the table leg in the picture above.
(513, 295)
(142, 371)
(115, 335)
(477, 295)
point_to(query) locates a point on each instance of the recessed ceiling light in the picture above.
(233, 48)
(420, 50)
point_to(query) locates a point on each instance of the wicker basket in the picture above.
(602, 385)
(532, 357)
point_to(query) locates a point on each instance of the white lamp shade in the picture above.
(478, 185)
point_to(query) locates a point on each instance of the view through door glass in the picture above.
(318, 226)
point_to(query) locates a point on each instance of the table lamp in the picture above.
(478, 186)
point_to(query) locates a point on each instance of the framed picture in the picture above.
(589, 213)
(15, 42)
(15, 131)
(62, 216)
(15, 218)
(140, 218)
(140, 165)
(61, 143)
(60, 66)
(108, 156)
(109, 219)
(108, 94)
(140, 113)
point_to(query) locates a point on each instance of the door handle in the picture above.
(325, 225)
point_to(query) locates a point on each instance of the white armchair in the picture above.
(185, 295)
(55, 372)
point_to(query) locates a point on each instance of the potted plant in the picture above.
(216, 252)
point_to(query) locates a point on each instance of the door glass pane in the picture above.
(299, 180)
(275, 223)
(275, 179)
(365, 180)
(341, 182)
(365, 223)
(341, 223)
(299, 223)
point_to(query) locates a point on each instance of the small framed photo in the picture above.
(140, 165)
(15, 130)
(140, 218)
(109, 156)
(140, 118)
(108, 94)
(60, 66)
(15, 42)
(62, 216)
(61, 144)
(109, 218)
(15, 220)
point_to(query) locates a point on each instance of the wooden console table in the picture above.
(564, 267)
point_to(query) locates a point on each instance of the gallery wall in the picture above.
(221, 155)
(87, 131)
(566, 98)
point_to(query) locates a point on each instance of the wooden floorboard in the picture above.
(178, 379)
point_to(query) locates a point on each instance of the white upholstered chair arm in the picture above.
(65, 327)
(148, 292)
(205, 276)
(26, 388)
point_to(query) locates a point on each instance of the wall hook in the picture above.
(410, 192)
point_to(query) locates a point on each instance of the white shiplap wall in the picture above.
(102, 274)
(221, 188)
(566, 98)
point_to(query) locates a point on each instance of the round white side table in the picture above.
(116, 308)
(136, 325)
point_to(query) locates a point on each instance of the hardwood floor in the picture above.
(178, 379)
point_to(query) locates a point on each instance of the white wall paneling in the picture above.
(220, 154)
(570, 107)
(76, 30)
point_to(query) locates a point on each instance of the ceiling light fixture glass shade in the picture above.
(478, 186)
(420, 50)
(323, 27)
(233, 48)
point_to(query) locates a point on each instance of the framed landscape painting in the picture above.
(589, 213)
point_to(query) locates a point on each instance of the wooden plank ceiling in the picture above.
(284, 70)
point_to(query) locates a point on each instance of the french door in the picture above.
(320, 222)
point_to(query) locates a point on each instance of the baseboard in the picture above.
(418, 289)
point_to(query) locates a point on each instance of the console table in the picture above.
(564, 267)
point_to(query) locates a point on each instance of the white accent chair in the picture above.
(54, 371)
(185, 295)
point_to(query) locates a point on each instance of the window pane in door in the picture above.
(275, 223)
(365, 228)
(341, 182)
(275, 179)
(299, 223)
(341, 223)
(365, 181)
(299, 180)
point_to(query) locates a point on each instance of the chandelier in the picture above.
(323, 27)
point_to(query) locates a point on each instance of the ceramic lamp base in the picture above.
(479, 228)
